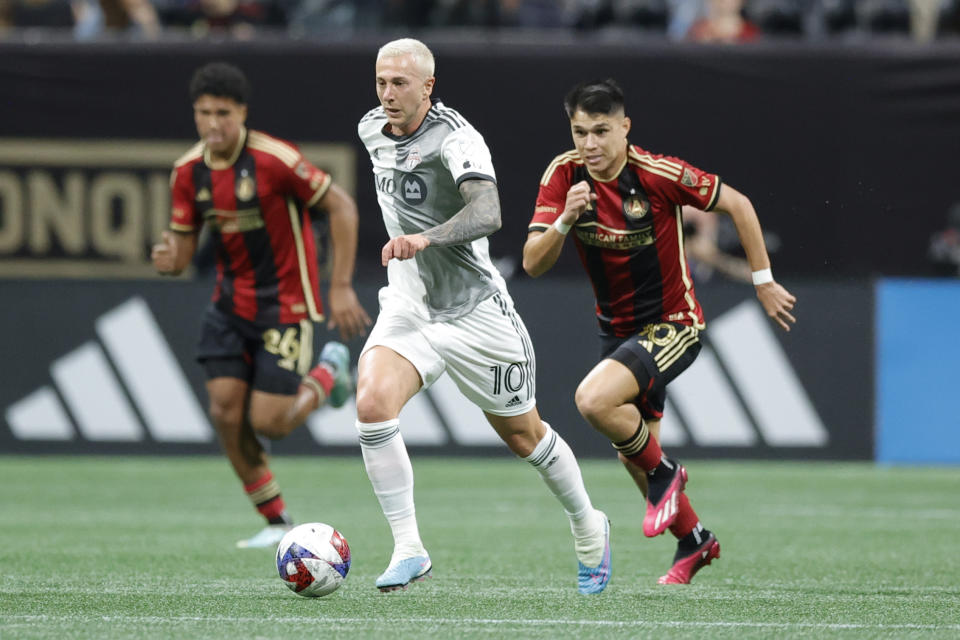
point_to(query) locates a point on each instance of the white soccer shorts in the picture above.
(487, 353)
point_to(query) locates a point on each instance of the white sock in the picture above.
(558, 467)
(391, 474)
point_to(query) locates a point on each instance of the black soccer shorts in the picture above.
(272, 359)
(656, 355)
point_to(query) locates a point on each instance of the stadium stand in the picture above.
(617, 20)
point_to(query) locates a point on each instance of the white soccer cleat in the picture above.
(401, 573)
(269, 536)
(595, 579)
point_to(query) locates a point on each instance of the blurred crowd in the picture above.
(712, 21)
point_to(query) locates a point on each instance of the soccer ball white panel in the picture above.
(313, 559)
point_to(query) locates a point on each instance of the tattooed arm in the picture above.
(479, 218)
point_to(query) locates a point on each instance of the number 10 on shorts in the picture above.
(513, 377)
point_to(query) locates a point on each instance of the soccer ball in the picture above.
(313, 559)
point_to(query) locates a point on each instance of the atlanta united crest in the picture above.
(635, 207)
(246, 188)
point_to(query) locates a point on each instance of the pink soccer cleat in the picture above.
(686, 567)
(661, 514)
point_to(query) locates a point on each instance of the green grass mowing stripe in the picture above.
(112, 547)
(496, 622)
(470, 627)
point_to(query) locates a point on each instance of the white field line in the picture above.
(778, 591)
(418, 620)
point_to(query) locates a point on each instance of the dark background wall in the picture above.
(847, 152)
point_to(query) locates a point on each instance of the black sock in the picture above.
(283, 518)
(691, 542)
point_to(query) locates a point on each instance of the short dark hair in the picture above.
(595, 96)
(220, 80)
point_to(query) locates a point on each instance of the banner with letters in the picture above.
(93, 208)
(107, 366)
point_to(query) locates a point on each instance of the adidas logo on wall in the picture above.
(741, 391)
(130, 342)
(127, 385)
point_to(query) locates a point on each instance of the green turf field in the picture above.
(144, 548)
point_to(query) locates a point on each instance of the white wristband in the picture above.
(562, 227)
(762, 277)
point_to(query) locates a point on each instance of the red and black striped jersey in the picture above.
(257, 211)
(631, 239)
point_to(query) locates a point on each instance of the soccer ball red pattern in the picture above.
(313, 559)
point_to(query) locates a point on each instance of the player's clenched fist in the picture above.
(403, 247)
(164, 254)
(579, 198)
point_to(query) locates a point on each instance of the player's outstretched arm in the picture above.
(542, 248)
(479, 218)
(346, 313)
(776, 300)
(173, 253)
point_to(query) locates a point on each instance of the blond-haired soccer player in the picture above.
(446, 308)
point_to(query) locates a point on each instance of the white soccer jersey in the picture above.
(417, 179)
